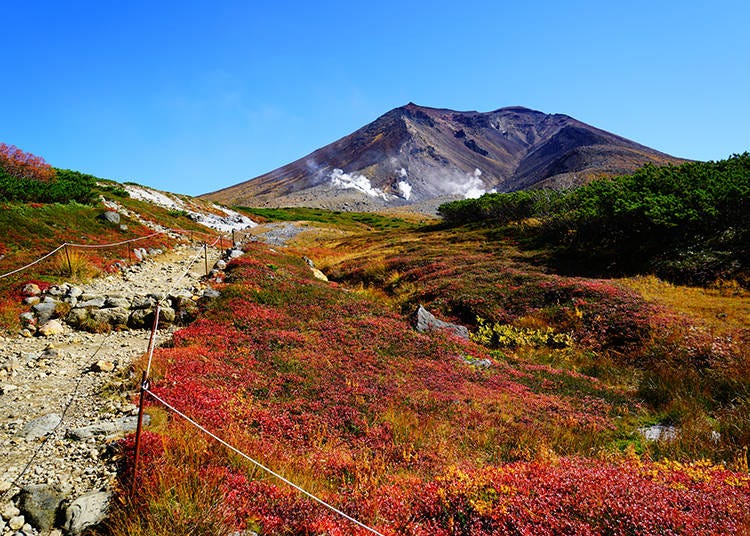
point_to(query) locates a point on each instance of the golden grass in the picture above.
(725, 307)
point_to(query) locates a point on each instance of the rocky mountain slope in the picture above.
(414, 154)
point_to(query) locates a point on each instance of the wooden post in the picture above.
(67, 256)
(234, 239)
(138, 428)
(205, 256)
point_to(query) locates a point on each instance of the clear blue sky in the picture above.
(193, 96)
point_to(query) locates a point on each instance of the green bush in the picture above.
(500, 335)
(65, 186)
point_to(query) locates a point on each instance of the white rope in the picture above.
(266, 469)
(116, 243)
(35, 262)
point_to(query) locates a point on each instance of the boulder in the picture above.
(86, 511)
(45, 309)
(77, 317)
(110, 216)
(425, 321)
(39, 504)
(51, 327)
(40, 427)
(143, 302)
(89, 301)
(114, 316)
(117, 301)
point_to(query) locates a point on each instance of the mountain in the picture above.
(414, 154)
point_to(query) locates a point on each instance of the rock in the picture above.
(5, 486)
(57, 290)
(31, 300)
(140, 253)
(234, 253)
(16, 523)
(51, 327)
(123, 227)
(117, 301)
(320, 275)
(27, 318)
(75, 292)
(221, 264)
(39, 503)
(425, 321)
(166, 315)
(9, 510)
(143, 302)
(40, 426)
(45, 310)
(86, 511)
(103, 366)
(110, 216)
(8, 388)
(31, 289)
(108, 429)
(95, 302)
(26, 333)
(77, 317)
(659, 432)
(141, 319)
(210, 294)
(116, 316)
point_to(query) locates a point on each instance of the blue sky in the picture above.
(194, 96)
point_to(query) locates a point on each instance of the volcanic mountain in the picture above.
(417, 155)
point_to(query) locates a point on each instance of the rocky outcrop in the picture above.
(424, 321)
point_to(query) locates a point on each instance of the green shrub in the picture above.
(500, 335)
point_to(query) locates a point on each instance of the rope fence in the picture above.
(144, 387)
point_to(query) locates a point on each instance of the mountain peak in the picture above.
(417, 154)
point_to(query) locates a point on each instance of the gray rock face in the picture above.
(39, 503)
(425, 321)
(40, 426)
(86, 511)
(111, 216)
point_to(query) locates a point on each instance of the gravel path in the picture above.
(45, 378)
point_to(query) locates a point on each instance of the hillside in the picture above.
(415, 154)
(576, 404)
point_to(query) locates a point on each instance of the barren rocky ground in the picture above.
(65, 397)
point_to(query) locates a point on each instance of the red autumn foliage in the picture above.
(22, 165)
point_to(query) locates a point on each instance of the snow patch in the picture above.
(355, 181)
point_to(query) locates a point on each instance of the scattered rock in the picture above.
(103, 366)
(86, 511)
(17, 522)
(659, 432)
(114, 428)
(425, 321)
(31, 289)
(39, 503)
(52, 327)
(110, 216)
(9, 510)
(40, 426)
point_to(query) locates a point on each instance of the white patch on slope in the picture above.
(230, 220)
(470, 186)
(403, 186)
(355, 181)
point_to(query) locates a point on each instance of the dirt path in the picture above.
(45, 378)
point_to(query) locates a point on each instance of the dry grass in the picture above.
(725, 307)
(69, 262)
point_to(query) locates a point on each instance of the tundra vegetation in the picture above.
(529, 427)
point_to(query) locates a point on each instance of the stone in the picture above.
(57, 290)
(16, 523)
(210, 294)
(110, 216)
(45, 310)
(5, 485)
(659, 432)
(39, 503)
(7, 388)
(91, 302)
(75, 292)
(166, 315)
(27, 318)
(143, 302)
(140, 253)
(234, 253)
(317, 274)
(116, 316)
(141, 319)
(77, 317)
(31, 300)
(86, 511)
(31, 289)
(123, 227)
(9, 510)
(51, 327)
(40, 427)
(103, 366)
(425, 321)
(117, 301)
(108, 429)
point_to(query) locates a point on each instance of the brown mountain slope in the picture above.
(414, 154)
